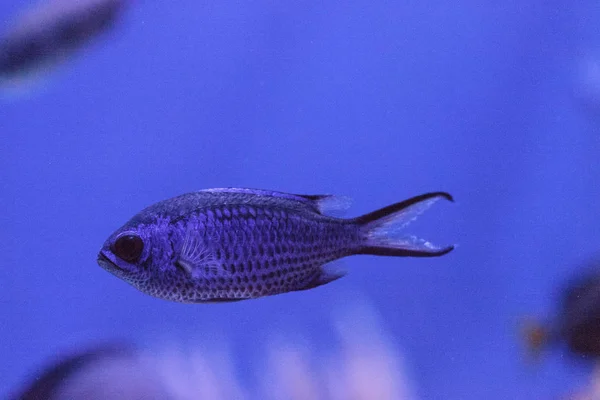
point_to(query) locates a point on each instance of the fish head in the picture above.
(144, 253)
(129, 253)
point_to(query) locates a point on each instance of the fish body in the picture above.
(234, 244)
(577, 322)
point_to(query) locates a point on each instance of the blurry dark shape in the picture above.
(580, 318)
(45, 385)
(52, 32)
(109, 371)
(362, 364)
(577, 323)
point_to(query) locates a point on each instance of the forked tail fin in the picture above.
(382, 229)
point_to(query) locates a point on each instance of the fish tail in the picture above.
(382, 229)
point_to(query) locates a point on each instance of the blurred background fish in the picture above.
(107, 371)
(49, 34)
(576, 324)
(363, 365)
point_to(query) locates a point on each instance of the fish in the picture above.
(231, 244)
(50, 33)
(576, 323)
(49, 382)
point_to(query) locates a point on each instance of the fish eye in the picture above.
(128, 247)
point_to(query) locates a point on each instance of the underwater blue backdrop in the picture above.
(379, 101)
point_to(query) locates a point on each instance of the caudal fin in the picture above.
(382, 229)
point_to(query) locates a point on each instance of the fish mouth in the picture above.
(107, 263)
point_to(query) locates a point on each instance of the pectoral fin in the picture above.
(197, 259)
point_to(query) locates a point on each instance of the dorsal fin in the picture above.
(328, 203)
(321, 203)
(263, 193)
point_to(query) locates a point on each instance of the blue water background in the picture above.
(375, 100)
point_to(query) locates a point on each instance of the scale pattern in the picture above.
(263, 249)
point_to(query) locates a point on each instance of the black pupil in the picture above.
(129, 247)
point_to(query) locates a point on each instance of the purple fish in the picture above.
(232, 244)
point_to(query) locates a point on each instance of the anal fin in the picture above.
(324, 277)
